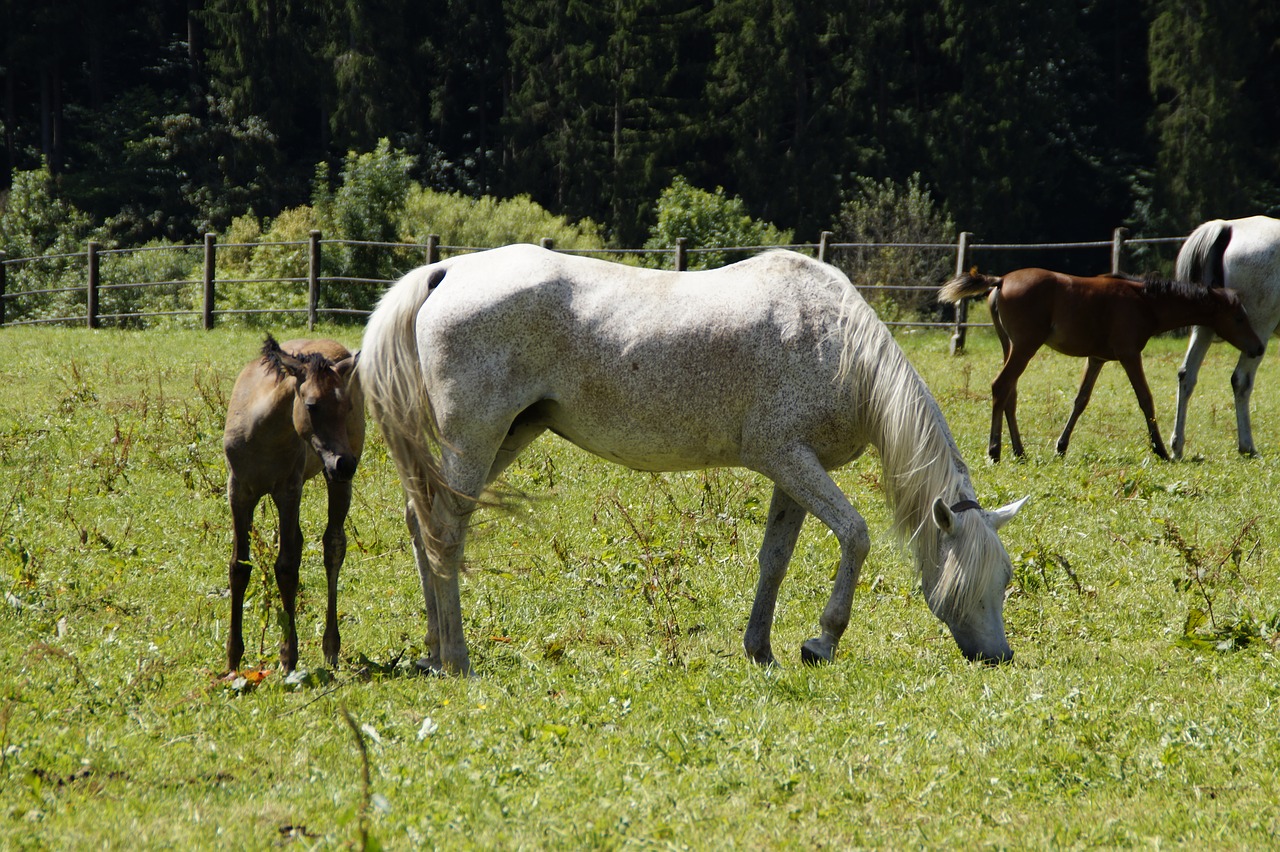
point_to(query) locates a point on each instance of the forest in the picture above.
(1053, 119)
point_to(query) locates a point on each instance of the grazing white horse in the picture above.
(1242, 255)
(775, 364)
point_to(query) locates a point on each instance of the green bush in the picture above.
(488, 222)
(172, 278)
(36, 223)
(888, 212)
(707, 220)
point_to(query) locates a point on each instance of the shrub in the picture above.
(708, 220)
(889, 212)
(488, 222)
(35, 223)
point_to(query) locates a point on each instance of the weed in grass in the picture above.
(1203, 576)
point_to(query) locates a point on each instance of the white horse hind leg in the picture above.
(1242, 387)
(431, 661)
(1201, 337)
(782, 528)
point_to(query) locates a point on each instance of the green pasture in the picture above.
(614, 707)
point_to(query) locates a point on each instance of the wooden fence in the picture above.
(966, 252)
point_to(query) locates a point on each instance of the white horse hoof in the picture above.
(815, 653)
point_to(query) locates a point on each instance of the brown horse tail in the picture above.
(1200, 259)
(967, 284)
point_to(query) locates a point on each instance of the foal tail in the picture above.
(967, 284)
(391, 376)
(1200, 259)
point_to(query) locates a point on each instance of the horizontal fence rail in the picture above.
(304, 291)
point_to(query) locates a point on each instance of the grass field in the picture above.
(614, 706)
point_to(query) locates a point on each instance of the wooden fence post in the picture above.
(92, 295)
(3, 255)
(313, 278)
(1117, 248)
(962, 309)
(433, 248)
(210, 272)
(824, 240)
(682, 258)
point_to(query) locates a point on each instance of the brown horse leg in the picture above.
(1091, 369)
(243, 504)
(1011, 417)
(1004, 395)
(1137, 378)
(288, 500)
(335, 551)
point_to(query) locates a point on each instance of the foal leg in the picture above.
(335, 552)
(1091, 369)
(1133, 366)
(1242, 388)
(1201, 337)
(786, 516)
(243, 502)
(799, 473)
(1004, 396)
(288, 500)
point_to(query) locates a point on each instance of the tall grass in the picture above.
(614, 706)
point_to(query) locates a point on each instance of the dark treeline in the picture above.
(1052, 119)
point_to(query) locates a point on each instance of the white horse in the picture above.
(775, 364)
(1243, 255)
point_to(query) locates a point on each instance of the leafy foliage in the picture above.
(885, 212)
(459, 220)
(709, 220)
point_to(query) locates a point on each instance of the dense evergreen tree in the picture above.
(1058, 119)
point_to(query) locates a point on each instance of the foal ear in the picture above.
(347, 366)
(281, 360)
(1002, 516)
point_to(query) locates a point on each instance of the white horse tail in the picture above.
(965, 284)
(1200, 258)
(391, 376)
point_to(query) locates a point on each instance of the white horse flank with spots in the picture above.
(775, 364)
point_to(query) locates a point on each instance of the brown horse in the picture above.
(1107, 318)
(296, 411)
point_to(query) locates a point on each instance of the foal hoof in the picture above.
(815, 653)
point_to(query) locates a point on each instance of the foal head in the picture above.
(1232, 323)
(322, 403)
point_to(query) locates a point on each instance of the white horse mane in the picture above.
(920, 459)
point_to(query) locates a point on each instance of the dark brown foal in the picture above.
(295, 411)
(1106, 318)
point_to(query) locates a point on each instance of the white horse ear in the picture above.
(943, 516)
(1002, 516)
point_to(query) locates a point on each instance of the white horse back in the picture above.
(656, 370)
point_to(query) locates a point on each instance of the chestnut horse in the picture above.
(295, 411)
(1106, 318)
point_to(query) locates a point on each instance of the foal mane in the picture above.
(274, 357)
(1157, 287)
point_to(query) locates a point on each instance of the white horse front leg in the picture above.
(1201, 337)
(781, 530)
(798, 472)
(1242, 388)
